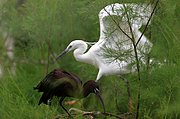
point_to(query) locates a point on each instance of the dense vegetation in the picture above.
(43, 28)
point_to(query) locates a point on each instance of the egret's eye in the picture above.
(70, 47)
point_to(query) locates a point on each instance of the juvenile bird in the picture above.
(64, 84)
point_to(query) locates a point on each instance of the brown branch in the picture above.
(130, 103)
(139, 90)
(117, 24)
(148, 22)
(50, 53)
(137, 63)
(51, 50)
(129, 23)
(97, 113)
(47, 66)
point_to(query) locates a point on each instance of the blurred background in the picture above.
(33, 32)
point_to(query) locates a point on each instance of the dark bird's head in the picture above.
(92, 87)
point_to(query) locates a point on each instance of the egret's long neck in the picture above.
(79, 52)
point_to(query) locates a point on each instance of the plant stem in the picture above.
(138, 68)
(148, 22)
(117, 24)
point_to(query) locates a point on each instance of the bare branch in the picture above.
(92, 114)
(129, 23)
(147, 22)
(117, 24)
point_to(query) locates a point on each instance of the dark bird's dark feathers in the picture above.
(64, 84)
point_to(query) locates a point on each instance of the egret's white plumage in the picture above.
(113, 39)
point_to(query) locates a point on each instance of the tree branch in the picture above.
(147, 22)
(136, 54)
(97, 113)
(117, 24)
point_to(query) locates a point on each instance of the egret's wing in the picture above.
(115, 34)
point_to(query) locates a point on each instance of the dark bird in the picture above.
(64, 84)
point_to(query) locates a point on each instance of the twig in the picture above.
(117, 24)
(96, 113)
(50, 53)
(147, 22)
(137, 63)
(47, 67)
(129, 23)
(50, 49)
(130, 102)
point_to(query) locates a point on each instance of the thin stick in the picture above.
(137, 63)
(117, 24)
(130, 102)
(95, 113)
(47, 67)
(50, 49)
(148, 22)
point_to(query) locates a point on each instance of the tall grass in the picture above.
(18, 100)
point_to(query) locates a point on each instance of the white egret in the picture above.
(114, 53)
(115, 36)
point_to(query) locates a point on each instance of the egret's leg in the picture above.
(98, 76)
(130, 103)
(60, 102)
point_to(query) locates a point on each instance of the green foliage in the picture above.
(17, 96)
(165, 28)
(38, 25)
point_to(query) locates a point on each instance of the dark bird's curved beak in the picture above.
(62, 54)
(100, 98)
